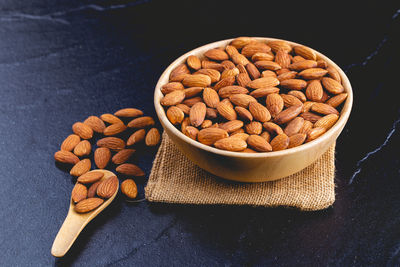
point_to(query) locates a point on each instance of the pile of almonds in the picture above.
(90, 191)
(254, 96)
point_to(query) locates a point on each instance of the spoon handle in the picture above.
(67, 234)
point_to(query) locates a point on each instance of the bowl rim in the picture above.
(337, 127)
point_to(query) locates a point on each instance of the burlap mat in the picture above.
(175, 179)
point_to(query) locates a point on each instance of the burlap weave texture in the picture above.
(175, 179)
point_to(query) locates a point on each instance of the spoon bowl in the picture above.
(75, 222)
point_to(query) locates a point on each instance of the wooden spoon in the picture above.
(75, 222)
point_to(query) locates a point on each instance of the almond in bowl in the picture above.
(291, 101)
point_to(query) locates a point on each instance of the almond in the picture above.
(175, 115)
(78, 193)
(93, 189)
(282, 71)
(314, 91)
(90, 177)
(232, 126)
(231, 90)
(214, 75)
(179, 73)
(230, 72)
(280, 142)
(88, 204)
(185, 123)
(258, 143)
(83, 148)
(315, 133)
(272, 128)
(191, 132)
(170, 87)
(192, 91)
(303, 65)
(262, 92)
(228, 64)
(231, 144)
(248, 150)
(336, 100)
(136, 137)
(262, 57)
(334, 74)
(254, 127)
(231, 50)
(263, 82)
(332, 86)
(122, 156)
(152, 137)
(110, 118)
(129, 112)
(224, 82)
(185, 108)
(282, 58)
(81, 167)
(313, 73)
(307, 126)
(240, 42)
(130, 169)
(210, 97)
(277, 45)
(216, 54)
(102, 156)
(252, 70)
(322, 64)
(287, 75)
(296, 140)
(294, 126)
(191, 101)
(259, 112)
(268, 73)
(141, 122)
(112, 143)
(274, 103)
(288, 114)
(253, 48)
(226, 111)
(210, 135)
(206, 64)
(129, 188)
(70, 142)
(327, 121)
(294, 84)
(174, 98)
(290, 100)
(244, 113)
(297, 59)
(305, 52)
(200, 80)
(211, 113)
(95, 123)
(193, 62)
(309, 116)
(242, 100)
(206, 124)
(267, 65)
(243, 79)
(66, 157)
(299, 94)
(114, 129)
(323, 108)
(197, 114)
(266, 136)
(307, 106)
(84, 131)
(242, 136)
(108, 187)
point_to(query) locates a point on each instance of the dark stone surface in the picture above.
(61, 61)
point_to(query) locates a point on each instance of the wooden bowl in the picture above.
(251, 167)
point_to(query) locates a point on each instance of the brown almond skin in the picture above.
(307, 126)
(193, 91)
(242, 100)
(110, 118)
(141, 122)
(136, 137)
(272, 128)
(81, 129)
(122, 156)
(314, 91)
(90, 177)
(261, 92)
(129, 188)
(114, 129)
(191, 101)
(172, 86)
(232, 126)
(83, 148)
(294, 126)
(305, 52)
(209, 136)
(95, 123)
(259, 112)
(324, 109)
(282, 58)
(336, 100)
(107, 187)
(288, 114)
(327, 121)
(214, 75)
(81, 167)
(290, 100)
(78, 193)
(179, 73)
(130, 169)
(228, 81)
(332, 86)
(296, 139)
(334, 74)
(287, 75)
(299, 94)
(113, 143)
(129, 113)
(185, 108)
(227, 91)
(193, 62)
(226, 110)
(152, 137)
(243, 113)
(66, 157)
(252, 70)
(210, 97)
(197, 114)
(254, 127)
(266, 136)
(263, 82)
(175, 115)
(231, 144)
(198, 80)
(93, 189)
(303, 65)
(102, 156)
(173, 98)
(309, 116)
(313, 73)
(87, 205)
(191, 132)
(315, 133)
(70, 142)
(294, 84)
(216, 54)
(280, 142)
(258, 143)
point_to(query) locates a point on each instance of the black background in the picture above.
(61, 61)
